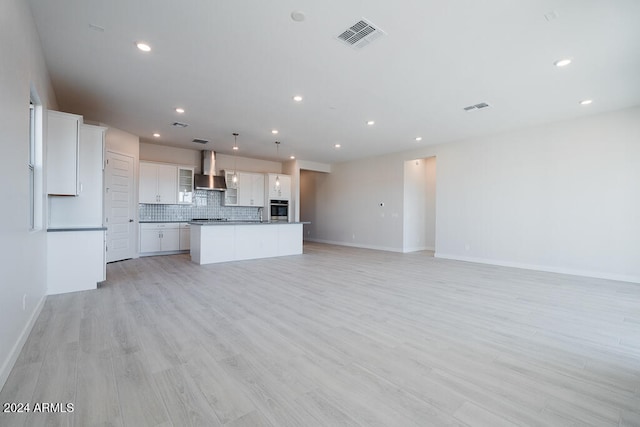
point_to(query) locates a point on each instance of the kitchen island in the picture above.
(222, 241)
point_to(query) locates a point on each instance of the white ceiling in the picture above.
(234, 66)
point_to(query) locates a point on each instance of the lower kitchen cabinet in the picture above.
(159, 238)
(185, 237)
(75, 260)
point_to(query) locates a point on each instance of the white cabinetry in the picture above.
(158, 183)
(281, 191)
(228, 242)
(231, 193)
(63, 137)
(250, 189)
(159, 237)
(185, 185)
(75, 261)
(185, 237)
(85, 210)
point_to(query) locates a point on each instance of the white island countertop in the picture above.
(240, 222)
(223, 241)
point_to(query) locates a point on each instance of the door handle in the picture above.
(130, 220)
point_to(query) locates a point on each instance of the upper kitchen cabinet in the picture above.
(185, 185)
(250, 189)
(231, 193)
(158, 183)
(86, 208)
(63, 139)
(278, 186)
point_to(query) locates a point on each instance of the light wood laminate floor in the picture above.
(335, 337)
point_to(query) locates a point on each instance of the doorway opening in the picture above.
(419, 222)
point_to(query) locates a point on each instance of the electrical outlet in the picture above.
(467, 247)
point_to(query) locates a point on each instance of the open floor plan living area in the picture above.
(339, 213)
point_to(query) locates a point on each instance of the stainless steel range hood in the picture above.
(208, 180)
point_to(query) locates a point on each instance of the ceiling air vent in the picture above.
(476, 106)
(360, 34)
(199, 141)
(179, 124)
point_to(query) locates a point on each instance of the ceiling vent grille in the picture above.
(179, 124)
(360, 34)
(200, 141)
(476, 106)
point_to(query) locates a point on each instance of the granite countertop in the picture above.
(154, 221)
(96, 228)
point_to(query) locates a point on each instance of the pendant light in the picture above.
(235, 148)
(278, 156)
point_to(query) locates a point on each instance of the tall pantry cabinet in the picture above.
(75, 231)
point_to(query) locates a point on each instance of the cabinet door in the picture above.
(231, 193)
(63, 133)
(244, 188)
(148, 183)
(285, 187)
(272, 188)
(250, 189)
(170, 239)
(150, 240)
(257, 190)
(167, 184)
(185, 185)
(281, 191)
(185, 237)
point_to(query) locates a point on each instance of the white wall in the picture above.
(311, 184)
(419, 204)
(347, 209)
(185, 156)
(562, 197)
(22, 252)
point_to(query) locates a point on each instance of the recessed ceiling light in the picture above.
(371, 123)
(562, 62)
(337, 146)
(274, 131)
(297, 15)
(179, 110)
(143, 46)
(297, 98)
(292, 157)
(586, 102)
(418, 138)
(235, 148)
(157, 135)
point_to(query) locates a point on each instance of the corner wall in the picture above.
(562, 197)
(22, 252)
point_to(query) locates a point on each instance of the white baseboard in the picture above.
(549, 269)
(7, 366)
(419, 248)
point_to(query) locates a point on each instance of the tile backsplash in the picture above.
(207, 204)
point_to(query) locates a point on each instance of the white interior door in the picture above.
(119, 207)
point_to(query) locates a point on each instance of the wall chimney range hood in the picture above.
(208, 180)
